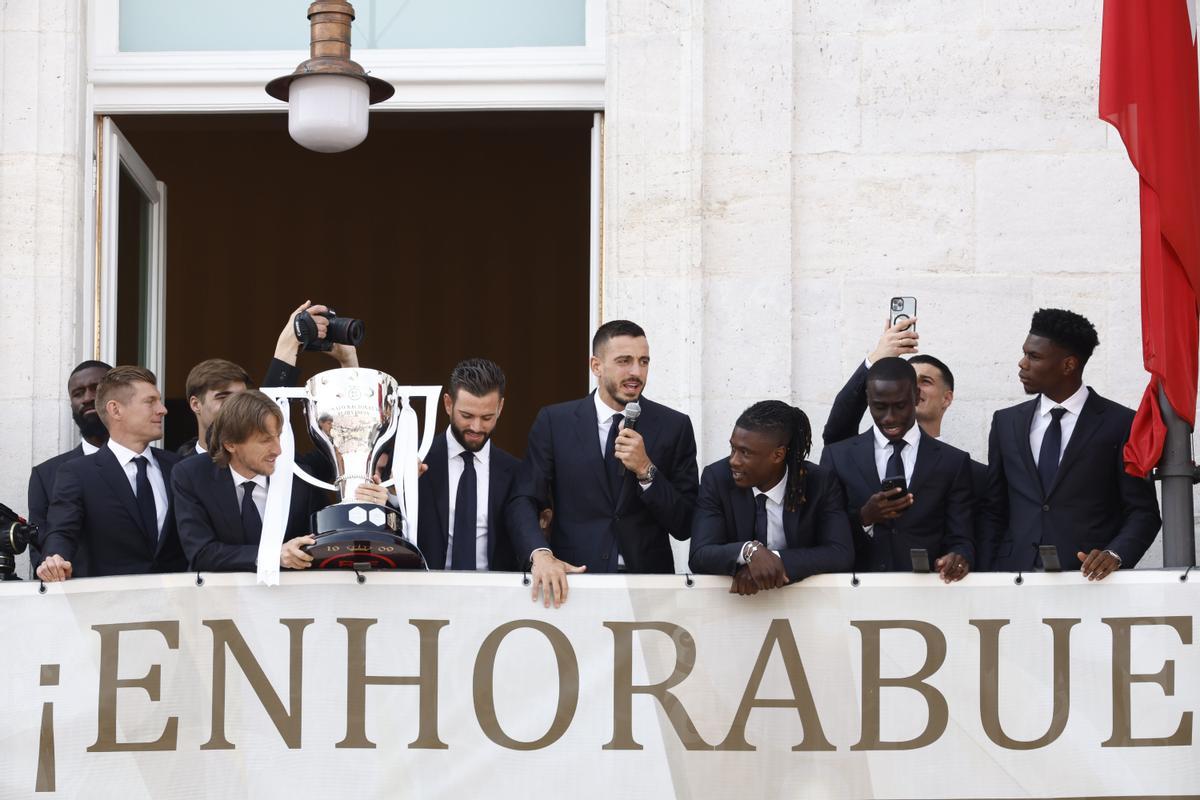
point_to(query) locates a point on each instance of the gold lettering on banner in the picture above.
(45, 763)
(106, 716)
(989, 682)
(872, 683)
(287, 721)
(357, 681)
(780, 635)
(483, 683)
(1123, 680)
(624, 689)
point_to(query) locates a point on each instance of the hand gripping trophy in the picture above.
(356, 416)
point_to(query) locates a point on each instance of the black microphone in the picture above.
(632, 412)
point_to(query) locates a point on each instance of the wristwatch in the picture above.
(649, 476)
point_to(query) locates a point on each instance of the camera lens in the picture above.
(897, 304)
(346, 330)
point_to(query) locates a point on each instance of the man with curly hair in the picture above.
(1055, 470)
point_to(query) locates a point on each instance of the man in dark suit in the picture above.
(765, 515)
(220, 501)
(208, 385)
(464, 490)
(617, 493)
(81, 393)
(934, 514)
(117, 501)
(1056, 473)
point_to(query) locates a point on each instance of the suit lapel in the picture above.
(1087, 424)
(588, 433)
(164, 466)
(118, 482)
(497, 476)
(439, 473)
(1022, 422)
(742, 503)
(929, 450)
(228, 504)
(862, 451)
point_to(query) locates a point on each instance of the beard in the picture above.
(473, 448)
(90, 426)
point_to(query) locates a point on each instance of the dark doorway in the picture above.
(451, 235)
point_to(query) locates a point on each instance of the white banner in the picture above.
(456, 685)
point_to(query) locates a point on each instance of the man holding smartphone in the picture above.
(927, 501)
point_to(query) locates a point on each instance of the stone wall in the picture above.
(777, 169)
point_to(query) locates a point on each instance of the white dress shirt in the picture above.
(454, 468)
(776, 536)
(88, 447)
(125, 458)
(258, 493)
(883, 453)
(1041, 421)
(200, 448)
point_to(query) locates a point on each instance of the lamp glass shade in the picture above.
(328, 113)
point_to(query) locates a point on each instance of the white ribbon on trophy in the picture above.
(408, 450)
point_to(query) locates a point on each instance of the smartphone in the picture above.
(897, 482)
(920, 559)
(902, 308)
(1049, 555)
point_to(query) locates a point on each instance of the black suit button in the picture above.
(616, 517)
(604, 557)
(1046, 507)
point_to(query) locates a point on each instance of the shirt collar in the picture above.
(776, 492)
(200, 448)
(454, 449)
(125, 455)
(88, 447)
(239, 478)
(603, 412)
(1073, 404)
(912, 437)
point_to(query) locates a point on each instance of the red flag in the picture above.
(1148, 92)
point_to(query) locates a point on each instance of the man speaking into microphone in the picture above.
(619, 471)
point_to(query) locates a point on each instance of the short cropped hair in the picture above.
(892, 368)
(1070, 331)
(89, 364)
(241, 416)
(211, 374)
(478, 376)
(118, 385)
(612, 329)
(939, 365)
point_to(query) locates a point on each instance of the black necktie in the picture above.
(1051, 449)
(465, 503)
(251, 521)
(760, 519)
(610, 457)
(145, 500)
(895, 465)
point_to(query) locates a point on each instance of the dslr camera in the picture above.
(15, 536)
(341, 330)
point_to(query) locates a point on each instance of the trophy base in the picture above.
(361, 536)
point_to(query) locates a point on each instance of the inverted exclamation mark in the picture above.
(45, 768)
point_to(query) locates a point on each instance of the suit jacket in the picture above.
(94, 507)
(564, 467)
(940, 519)
(1092, 504)
(188, 448)
(209, 516)
(433, 516)
(818, 532)
(848, 408)
(41, 489)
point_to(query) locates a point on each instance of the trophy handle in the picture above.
(303, 475)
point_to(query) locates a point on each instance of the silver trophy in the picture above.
(363, 422)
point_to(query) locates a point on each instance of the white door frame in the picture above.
(115, 153)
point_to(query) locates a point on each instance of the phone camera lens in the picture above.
(897, 304)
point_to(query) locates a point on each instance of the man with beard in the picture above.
(1055, 469)
(618, 494)
(464, 489)
(81, 393)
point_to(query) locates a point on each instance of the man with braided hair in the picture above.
(933, 512)
(765, 515)
(1055, 464)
